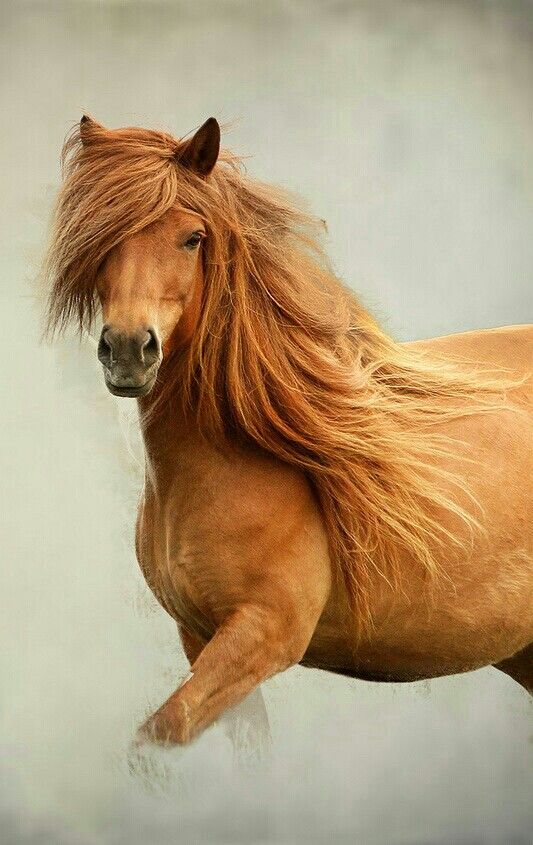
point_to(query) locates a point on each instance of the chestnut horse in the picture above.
(314, 492)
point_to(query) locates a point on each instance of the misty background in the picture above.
(407, 126)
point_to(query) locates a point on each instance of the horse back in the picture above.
(509, 347)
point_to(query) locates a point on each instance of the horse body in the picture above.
(314, 492)
(216, 528)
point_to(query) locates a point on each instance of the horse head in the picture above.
(149, 285)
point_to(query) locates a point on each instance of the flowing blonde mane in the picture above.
(284, 355)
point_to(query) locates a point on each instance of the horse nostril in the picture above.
(104, 348)
(150, 347)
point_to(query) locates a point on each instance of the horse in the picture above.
(315, 492)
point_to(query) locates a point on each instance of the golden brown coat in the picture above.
(314, 491)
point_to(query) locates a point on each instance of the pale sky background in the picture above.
(408, 127)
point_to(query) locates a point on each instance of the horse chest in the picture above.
(172, 568)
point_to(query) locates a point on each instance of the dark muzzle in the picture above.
(130, 360)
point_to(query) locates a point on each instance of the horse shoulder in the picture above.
(243, 530)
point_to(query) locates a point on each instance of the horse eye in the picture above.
(194, 240)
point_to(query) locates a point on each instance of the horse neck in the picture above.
(164, 425)
(165, 428)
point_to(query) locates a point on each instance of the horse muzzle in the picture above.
(130, 360)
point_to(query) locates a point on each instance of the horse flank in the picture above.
(284, 356)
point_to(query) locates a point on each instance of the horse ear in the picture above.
(200, 153)
(86, 125)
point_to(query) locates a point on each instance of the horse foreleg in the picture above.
(246, 723)
(520, 668)
(250, 646)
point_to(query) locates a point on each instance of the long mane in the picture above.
(284, 356)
